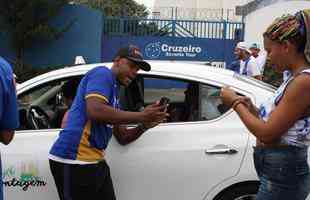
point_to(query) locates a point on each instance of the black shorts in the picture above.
(81, 182)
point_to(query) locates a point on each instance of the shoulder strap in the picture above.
(306, 71)
(245, 69)
(278, 99)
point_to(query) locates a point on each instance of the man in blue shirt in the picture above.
(77, 156)
(234, 66)
(9, 119)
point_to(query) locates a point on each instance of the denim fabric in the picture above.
(283, 173)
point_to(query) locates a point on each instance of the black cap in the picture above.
(134, 54)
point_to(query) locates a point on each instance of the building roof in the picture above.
(255, 5)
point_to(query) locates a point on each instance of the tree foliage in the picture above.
(125, 18)
(28, 21)
(117, 8)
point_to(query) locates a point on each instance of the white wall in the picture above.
(199, 9)
(257, 21)
(175, 3)
(211, 4)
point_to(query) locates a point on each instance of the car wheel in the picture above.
(244, 192)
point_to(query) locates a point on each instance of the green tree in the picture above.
(28, 21)
(123, 17)
(117, 8)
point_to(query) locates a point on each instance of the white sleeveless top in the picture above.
(299, 133)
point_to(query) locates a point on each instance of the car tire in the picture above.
(244, 192)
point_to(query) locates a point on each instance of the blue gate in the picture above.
(206, 41)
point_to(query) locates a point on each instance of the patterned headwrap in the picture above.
(288, 26)
(306, 22)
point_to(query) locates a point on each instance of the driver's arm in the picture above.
(124, 134)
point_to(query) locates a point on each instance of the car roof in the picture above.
(179, 68)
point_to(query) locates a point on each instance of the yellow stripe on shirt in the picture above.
(98, 96)
(85, 151)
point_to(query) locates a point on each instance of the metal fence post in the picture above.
(224, 29)
(173, 28)
(121, 24)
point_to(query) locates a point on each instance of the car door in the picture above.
(185, 157)
(25, 169)
(26, 173)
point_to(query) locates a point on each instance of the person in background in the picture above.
(69, 90)
(9, 118)
(191, 103)
(282, 124)
(248, 65)
(234, 66)
(260, 56)
(77, 158)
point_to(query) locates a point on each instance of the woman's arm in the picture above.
(293, 105)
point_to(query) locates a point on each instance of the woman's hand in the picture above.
(229, 96)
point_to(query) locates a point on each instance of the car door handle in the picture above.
(221, 149)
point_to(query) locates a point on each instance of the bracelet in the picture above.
(236, 104)
(234, 101)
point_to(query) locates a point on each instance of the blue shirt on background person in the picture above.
(234, 66)
(9, 117)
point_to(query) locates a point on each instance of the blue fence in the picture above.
(173, 28)
(190, 40)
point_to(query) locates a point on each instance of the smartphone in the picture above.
(164, 101)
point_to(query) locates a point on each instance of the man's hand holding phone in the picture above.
(158, 109)
(164, 102)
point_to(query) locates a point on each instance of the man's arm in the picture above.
(9, 113)
(259, 77)
(126, 135)
(98, 110)
(6, 136)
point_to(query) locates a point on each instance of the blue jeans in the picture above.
(283, 173)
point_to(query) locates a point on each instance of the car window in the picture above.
(155, 88)
(211, 105)
(43, 106)
(189, 101)
(28, 97)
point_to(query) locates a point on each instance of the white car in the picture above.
(203, 152)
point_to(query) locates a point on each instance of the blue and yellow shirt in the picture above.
(83, 139)
(9, 117)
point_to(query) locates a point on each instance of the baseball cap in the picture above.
(244, 46)
(254, 46)
(133, 54)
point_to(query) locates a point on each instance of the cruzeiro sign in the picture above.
(156, 50)
(172, 39)
(165, 48)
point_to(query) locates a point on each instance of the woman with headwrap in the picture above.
(282, 124)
